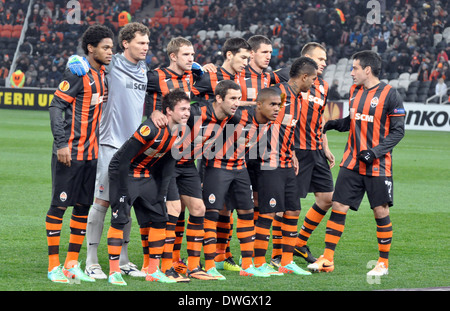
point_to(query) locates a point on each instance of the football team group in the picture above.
(237, 146)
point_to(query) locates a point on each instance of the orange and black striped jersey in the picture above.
(160, 82)
(75, 113)
(205, 87)
(309, 130)
(229, 152)
(199, 135)
(252, 82)
(374, 125)
(143, 150)
(280, 145)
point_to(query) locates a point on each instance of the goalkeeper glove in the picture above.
(78, 65)
(197, 69)
(367, 156)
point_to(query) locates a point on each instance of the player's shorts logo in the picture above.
(64, 86)
(212, 198)
(145, 130)
(63, 196)
(273, 202)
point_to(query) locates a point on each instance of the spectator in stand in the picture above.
(31, 72)
(437, 72)
(8, 18)
(20, 17)
(35, 17)
(423, 73)
(333, 93)
(442, 56)
(441, 88)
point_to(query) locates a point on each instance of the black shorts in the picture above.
(253, 168)
(277, 191)
(145, 195)
(185, 181)
(73, 185)
(314, 173)
(230, 187)
(351, 187)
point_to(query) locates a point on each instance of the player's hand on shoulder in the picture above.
(78, 65)
(159, 119)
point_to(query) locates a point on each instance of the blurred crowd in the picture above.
(405, 36)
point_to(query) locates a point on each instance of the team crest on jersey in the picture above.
(63, 196)
(144, 130)
(273, 202)
(321, 89)
(64, 86)
(212, 198)
(374, 102)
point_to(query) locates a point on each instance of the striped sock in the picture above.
(53, 226)
(384, 236)
(334, 230)
(115, 239)
(179, 232)
(262, 236)
(144, 229)
(312, 219)
(194, 239)
(166, 259)
(289, 233)
(277, 236)
(156, 240)
(245, 232)
(78, 223)
(223, 234)
(210, 239)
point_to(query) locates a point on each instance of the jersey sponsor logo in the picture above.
(363, 117)
(64, 86)
(316, 100)
(144, 130)
(135, 85)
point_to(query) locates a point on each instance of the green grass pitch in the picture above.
(419, 255)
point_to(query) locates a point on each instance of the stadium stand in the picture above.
(413, 37)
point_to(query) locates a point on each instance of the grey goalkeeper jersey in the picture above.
(123, 112)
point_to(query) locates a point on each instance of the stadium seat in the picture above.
(422, 98)
(7, 27)
(404, 84)
(236, 34)
(437, 37)
(394, 83)
(228, 27)
(210, 34)
(201, 34)
(342, 61)
(220, 34)
(413, 76)
(164, 21)
(404, 76)
(423, 90)
(411, 98)
(185, 22)
(6, 34)
(253, 28)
